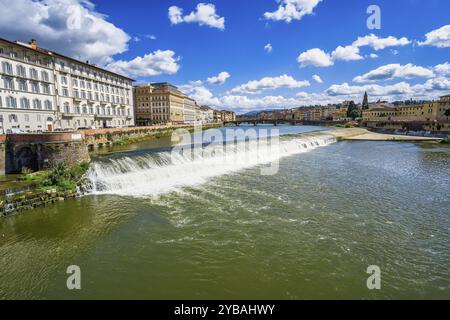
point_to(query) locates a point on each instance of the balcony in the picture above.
(104, 116)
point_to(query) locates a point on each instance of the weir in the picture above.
(155, 173)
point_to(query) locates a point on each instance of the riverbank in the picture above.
(366, 135)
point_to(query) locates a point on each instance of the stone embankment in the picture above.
(32, 199)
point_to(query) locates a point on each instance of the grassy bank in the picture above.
(445, 141)
(61, 177)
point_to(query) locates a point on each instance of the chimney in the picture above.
(33, 44)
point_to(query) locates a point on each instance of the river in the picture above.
(189, 229)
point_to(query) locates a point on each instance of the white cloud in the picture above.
(431, 89)
(373, 56)
(71, 27)
(438, 38)
(442, 69)
(205, 15)
(152, 64)
(151, 37)
(220, 79)
(380, 43)
(347, 53)
(317, 78)
(289, 10)
(270, 83)
(319, 58)
(391, 71)
(315, 57)
(268, 48)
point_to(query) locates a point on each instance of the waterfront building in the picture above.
(206, 114)
(425, 112)
(41, 90)
(163, 103)
(218, 116)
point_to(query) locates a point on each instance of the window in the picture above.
(85, 109)
(21, 71)
(1, 102)
(65, 92)
(44, 76)
(48, 105)
(25, 103)
(22, 85)
(8, 83)
(66, 107)
(75, 82)
(77, 109)
(33, 74)
(37, 104)
(12, 118)
(35, 87)
(46, 88)
(64, 80)
(7, 67)
(11, 102)
(76, 93)
(27, 118)
(38, 118)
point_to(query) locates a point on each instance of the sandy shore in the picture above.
(366, 135)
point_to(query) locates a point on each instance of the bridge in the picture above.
(275, 122)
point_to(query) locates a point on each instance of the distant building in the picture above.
(365, 104)
(41, 90)
(430, 111)
(161, 103)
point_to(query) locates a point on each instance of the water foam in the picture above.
(154, 174)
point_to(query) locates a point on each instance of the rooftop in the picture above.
(53, 53)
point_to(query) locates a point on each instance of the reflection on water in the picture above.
(310, 231)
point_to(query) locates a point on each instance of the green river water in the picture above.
(308, 232)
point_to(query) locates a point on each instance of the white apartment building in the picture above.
(41, 90)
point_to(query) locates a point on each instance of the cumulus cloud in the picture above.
(220, 79)
(347, 53)
(391, 71)
(319, 58)
(373, 56)
(270, 83)
(438, 38)
(442, 69)
(289, 10)
(205, 15)
(317, 78)
(380, 43)
(71, 27)
(315, 57)
(151, 64)
(268, 48)
(402, 90)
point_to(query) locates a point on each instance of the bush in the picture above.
(446, 140)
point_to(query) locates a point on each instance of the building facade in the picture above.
(41, 90)
(430, 111)
(162, 103)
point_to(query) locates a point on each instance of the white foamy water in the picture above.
(154, 174)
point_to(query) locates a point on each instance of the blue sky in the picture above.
(228, 37)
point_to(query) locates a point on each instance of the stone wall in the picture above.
(42, 151)
(417, 126)
(32, 199)
(2, 154)
(105, 137)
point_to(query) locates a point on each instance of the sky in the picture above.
(252, 54)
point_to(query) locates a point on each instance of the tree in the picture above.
(447, 113)
(353, 111)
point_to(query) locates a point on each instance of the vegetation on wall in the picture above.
(60, 176)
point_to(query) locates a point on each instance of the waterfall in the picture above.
(156, 173)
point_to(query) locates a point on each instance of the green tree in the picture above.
(447, 113)
(353, 111)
